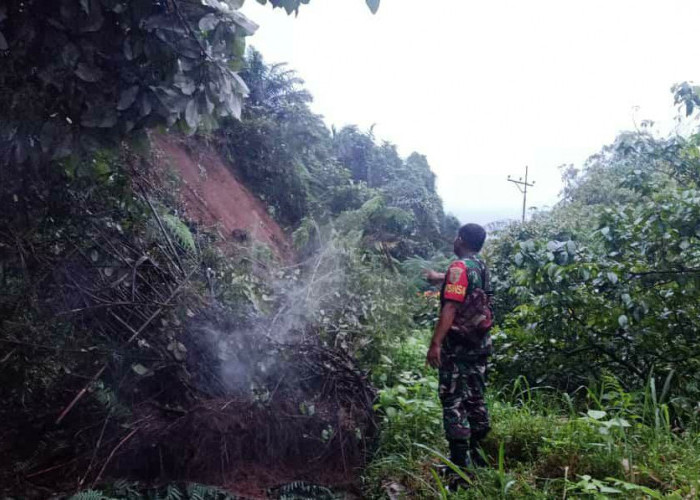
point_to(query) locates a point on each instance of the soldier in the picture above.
(461, 345)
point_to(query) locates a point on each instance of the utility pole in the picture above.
(522, 189)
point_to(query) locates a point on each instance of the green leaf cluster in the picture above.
(608, 281)
(85, 73)
(302, 170)
(292, 6)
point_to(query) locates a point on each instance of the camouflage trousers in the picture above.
(462, 385)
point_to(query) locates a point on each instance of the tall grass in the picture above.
(597, 442)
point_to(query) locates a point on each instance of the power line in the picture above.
(522, 189)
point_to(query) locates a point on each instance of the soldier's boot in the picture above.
(459, 453)
(475, 451)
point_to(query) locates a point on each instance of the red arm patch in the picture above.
(456, 282)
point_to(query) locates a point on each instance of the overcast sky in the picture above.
(483, 88)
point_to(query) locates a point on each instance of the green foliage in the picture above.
(282, 150)
(180, 232)
(90, 495)
(629, 297)
(292, 6)
(607, 282)
(299, 490)
(411, 412)
(286, 154)
(196, 491)
(597, 302)
(407, 185)
(610, 486)
(686, 96)
(172, 491)
(87, 72)
(597, 298)
(371, 313)
(541, 445)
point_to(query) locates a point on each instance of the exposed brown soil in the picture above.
(214, 197)
(247, 448)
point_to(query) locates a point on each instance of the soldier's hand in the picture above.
(433, 277)
(430, 275)
(433, 358)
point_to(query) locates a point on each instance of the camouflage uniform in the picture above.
(462, 384)
(463, 370)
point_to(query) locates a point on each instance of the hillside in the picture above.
(213, 197)
(191, 355)
(206, 293)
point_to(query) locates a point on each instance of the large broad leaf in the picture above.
(164, 22)
(208, 22)
(99, 116)
(127, 98)
(145, 106)
(184, 83)
(56, 139)
(88, 73)
(191, 114)
(232, 105)
(173, 101)
(141, 44)
(596, 414)
(248, 26)
(94, 20)
(239, 85)
(239, 48)
(21, 151)
(70, 55)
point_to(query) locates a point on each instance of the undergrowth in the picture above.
(599, 442)
(135, 491)
(125, 490)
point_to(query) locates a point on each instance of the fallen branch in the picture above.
(97, 448)
(135, 333)
(165, 233)
(109, 458)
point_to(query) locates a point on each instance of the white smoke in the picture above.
(247, 357)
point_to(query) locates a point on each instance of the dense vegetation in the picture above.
(84, 74)
(594, 382)
(304, 171)
(136, 344)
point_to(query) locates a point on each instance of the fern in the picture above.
(172, 492)
(180, 232)
(198, 491)
(108, 398)
(91, 495)
(299, 490)
(614, 397)
(127, 490)
(302, 235)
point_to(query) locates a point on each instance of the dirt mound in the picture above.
(246, 446)
(308, 419)
(213, 196)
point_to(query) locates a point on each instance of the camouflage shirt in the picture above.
(461, 278)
